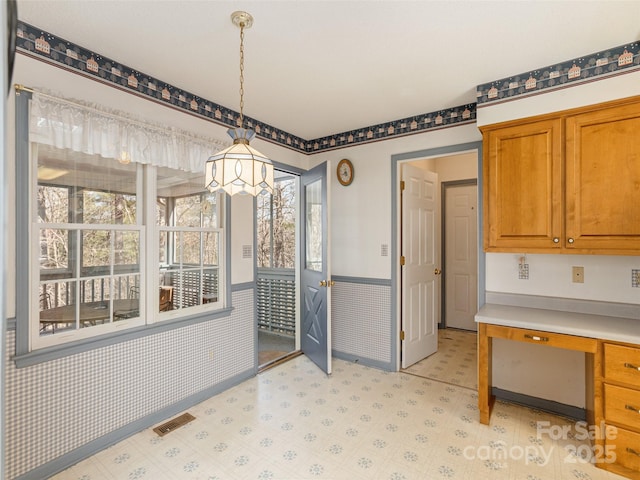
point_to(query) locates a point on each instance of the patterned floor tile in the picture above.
(293, 422)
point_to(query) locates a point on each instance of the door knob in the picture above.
(437, 271)
(323, 283)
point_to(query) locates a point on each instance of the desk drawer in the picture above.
(627, 448)
(622, 364)
(622, 405)
(538, 337)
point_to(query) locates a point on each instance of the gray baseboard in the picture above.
(540, 404)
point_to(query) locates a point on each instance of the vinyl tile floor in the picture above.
(455, 362)
(295, 422)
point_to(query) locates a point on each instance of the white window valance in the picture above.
(93, 129)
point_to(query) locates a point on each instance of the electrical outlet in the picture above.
(577, 274)
(635, 277)
(523, 271)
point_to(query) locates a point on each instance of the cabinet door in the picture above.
(603, 180)
(523, 187)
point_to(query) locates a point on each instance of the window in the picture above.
(189, 242)
(118, 244)
(88, 236)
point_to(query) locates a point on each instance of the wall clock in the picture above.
(345, 172)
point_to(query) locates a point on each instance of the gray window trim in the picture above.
(24, 357)
(22, 222)
(59, 351)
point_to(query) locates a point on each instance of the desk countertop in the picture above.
(580, 324)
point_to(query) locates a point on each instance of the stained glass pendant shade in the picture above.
(240, 168)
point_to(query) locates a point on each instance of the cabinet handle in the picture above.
(536, 338)
(632, 366)
(570, 240)
(632, 408)
(633, 452)
(556, 240)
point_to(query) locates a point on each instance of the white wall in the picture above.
(457, 167)
(606, 278)
(361, 213)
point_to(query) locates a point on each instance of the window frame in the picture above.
(27, 264)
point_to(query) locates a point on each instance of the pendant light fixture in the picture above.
(240, 168)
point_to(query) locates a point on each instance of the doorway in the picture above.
(452, 164)
(277, 274)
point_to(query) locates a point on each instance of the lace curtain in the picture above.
(93, 130)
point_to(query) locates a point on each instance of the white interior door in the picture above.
(421, 272)
(461, 256)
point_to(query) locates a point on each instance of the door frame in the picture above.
(396, 294)
(443, 206)
(283, 167)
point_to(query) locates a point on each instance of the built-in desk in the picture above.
(596, 335)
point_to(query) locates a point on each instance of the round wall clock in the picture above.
(345, 172)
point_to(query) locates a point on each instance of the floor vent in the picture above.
(171, 425)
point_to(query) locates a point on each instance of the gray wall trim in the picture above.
(385, 282)
(69, 459)
(60, 351)
(395, 248)
(283, 167)
(22, 227)
(482, 258)
(540, 404)
(435, 152)
(610, 309)
(227, 251)
(240, 287)
(389, 367)
(457, 183)
(256, 329)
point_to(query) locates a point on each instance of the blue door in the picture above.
(315, 332)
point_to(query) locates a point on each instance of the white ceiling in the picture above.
(314, 68)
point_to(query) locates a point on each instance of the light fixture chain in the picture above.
(241, 74)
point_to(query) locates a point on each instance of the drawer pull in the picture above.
(633, 452)
(632, 366)
(632, 408)
(536, 338)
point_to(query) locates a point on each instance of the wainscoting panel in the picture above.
(56, 407)
(361, 321)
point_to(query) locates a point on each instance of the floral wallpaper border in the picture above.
(48, 47)
(610, 62)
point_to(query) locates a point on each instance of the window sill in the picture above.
(72, 348)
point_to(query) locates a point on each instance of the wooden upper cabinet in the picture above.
(567, 182)
(603, 179)
(523, 186)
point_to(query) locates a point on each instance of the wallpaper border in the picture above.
(595, 66)
(42, 45)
